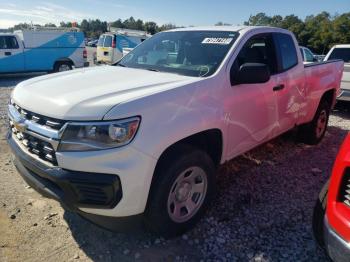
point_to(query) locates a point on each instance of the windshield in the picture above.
(190, 53)
(340, 53)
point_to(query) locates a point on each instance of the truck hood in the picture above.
(88, 94)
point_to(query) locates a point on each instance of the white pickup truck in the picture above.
(139, 142)
(342, 52)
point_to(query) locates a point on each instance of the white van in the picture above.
(42, 49)
(112, 45)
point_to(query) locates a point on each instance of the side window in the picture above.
(101, 40)
(8, 42)
(3, 42)
(287, 51)
(258, 49)
(309, 56)
(340, 53)
(108, 41)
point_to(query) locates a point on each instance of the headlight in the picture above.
(87, 136)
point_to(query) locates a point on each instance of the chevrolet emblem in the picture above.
(21, 126)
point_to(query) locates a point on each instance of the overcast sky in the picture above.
(179, 12)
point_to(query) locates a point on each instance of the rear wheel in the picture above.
(312, 133)
(62, 66)
(181, 192)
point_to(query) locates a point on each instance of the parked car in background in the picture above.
(41, 50)
(140, 141)
(319, 58)
(308, 56)
(331, 219)
(111, 45)
(342, 52)
(92, 43)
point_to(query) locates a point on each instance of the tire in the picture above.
(174, 205)
(312, 133)
(319, 214)
(62, 66)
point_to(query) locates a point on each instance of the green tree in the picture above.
(319, 32)
(151, 27)
(85, 26)
(295, 25)
(167, 27)
(118, 24)
(50, 25)
(258, 19)
(341, 29)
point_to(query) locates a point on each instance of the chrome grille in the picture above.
(53, 123)
(345, 188)
(36, 146)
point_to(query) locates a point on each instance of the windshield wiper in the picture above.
(119, 64)
(152, 69)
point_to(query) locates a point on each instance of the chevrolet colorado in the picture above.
(139, 142)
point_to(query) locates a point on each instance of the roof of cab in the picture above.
(342, 46)
(219, 28)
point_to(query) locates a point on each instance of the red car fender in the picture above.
(338, 213)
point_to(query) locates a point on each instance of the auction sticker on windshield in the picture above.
(217, 40)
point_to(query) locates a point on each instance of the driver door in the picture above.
(11, 54)
(251, 110)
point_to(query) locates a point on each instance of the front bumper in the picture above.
(75, 190)
(344, 95)
(337, 248)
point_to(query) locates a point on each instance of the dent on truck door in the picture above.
(251, 108)
(291, 80)
(11, 55)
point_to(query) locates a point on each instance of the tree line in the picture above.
(318, 32)
(94, 27)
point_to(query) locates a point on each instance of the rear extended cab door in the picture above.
(11, 54)
(290, 81)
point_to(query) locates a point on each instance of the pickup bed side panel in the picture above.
(319, 79)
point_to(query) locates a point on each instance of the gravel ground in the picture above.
(262, 211)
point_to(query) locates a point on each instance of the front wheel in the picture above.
(62, 66)
(182, 190)
(312, 133)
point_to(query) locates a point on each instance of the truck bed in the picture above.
(319, 77)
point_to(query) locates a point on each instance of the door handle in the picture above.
(278, 87)
(7, 53)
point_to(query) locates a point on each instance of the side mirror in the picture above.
(251, 73)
